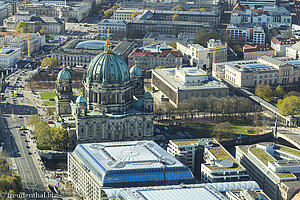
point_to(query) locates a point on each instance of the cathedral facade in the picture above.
(113, 105)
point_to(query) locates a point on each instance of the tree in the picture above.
(289, 105)
(279, 92)
(45, 32)
(50, 63)
(292, 93)
(160, 67)
(264, 91)
(173, 44)
(135, 14)
(22, 27)
(178, 8)
(3, 29)
(176, 17)
(203, 36)
(33, 120)
(108, 12)
(200, 9)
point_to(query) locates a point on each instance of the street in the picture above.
(16, 142)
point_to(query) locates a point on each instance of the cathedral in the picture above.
(113, 105)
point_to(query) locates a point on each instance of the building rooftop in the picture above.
(265, 157)
(223, 159)
(182, 191)
(183, 143)
(169, 76)
(139, 162)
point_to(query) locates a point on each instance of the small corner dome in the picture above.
(64, 75)
(136, 71)
(80, 99)
(148, 95)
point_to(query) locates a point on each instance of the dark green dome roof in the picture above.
(80, 99)
(136, 71)
(64, 75)
(108, 67)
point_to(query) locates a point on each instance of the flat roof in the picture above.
(185, 142)
(168, 75)
(202, 193)
(134, 159)
(265, 157)
(220, 153)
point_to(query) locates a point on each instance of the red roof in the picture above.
(278, 40)
(249, 48)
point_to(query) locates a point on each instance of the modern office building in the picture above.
(252, 34)
(274, 167)
(113, 107)
(151, 56)
(257, 3)
(264, 70)
(9, 56)
(190, 152)
(185, 191)
(220, 166)
(96, 166)
(179, 84)
(257, 51)
(199, 56)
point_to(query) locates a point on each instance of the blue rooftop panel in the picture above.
(294, 62)
(138, 163)
(256, 65)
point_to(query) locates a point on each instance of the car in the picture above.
(26, 141)
(27, 146)
(20, 116)
(24, 132)
(29, 153)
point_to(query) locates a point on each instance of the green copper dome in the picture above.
(64, 75)
(136, 71)
(80, 99)
(109, 68)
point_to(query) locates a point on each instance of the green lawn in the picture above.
(49, 103)
(206, 130)
(47, 95)
(50, 110)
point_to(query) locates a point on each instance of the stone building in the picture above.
(182, 83)
(113, 106)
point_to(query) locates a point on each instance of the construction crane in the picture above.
(28, 46)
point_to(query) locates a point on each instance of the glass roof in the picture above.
(91, 45)
(132, 163)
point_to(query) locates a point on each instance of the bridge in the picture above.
(291, 135)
